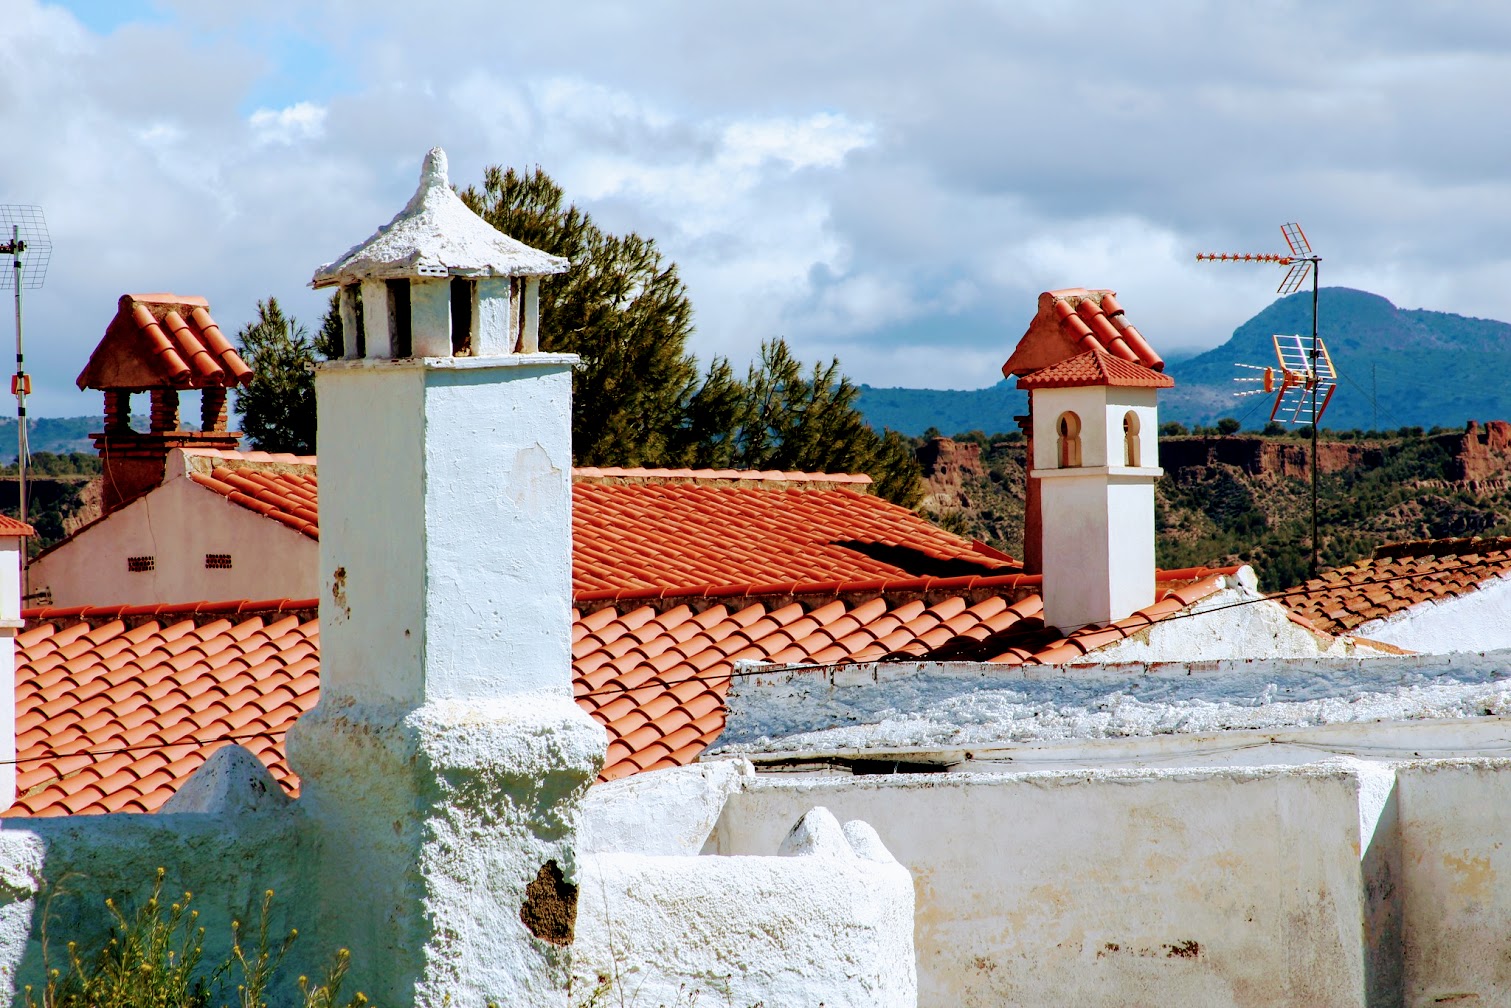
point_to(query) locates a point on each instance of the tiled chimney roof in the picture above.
(1096, 368)
(11, 527)
(1074, 321)
(437, 231)
(162, 341)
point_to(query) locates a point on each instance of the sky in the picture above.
(891, 184)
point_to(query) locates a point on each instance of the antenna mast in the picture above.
(1316, 374)
(23, 237)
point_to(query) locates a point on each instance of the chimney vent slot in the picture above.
(1130, 439)
(217, 561)
(140, 564)
(463, 296)
(399, 323)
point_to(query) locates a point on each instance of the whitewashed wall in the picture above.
(1453, 864)
(1172, 889)
(1477, 621)
(830, 922)
(177, 524)
(66, 867)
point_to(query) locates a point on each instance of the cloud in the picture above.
(301, 121)
(893, 189)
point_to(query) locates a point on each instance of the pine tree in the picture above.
(278, 407)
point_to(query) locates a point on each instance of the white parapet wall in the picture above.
(829, 923)
(1451, 867)
(1182, 889)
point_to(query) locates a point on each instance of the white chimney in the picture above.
(446, 756)
(1096, 457)
(13, 536)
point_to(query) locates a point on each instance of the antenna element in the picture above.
(23, 237)
(1306, 370)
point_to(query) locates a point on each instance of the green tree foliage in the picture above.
(1228, 426)
(789, 419)
(278, 408)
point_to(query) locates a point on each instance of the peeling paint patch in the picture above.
(550, 907)
(1187, 949)
(1475, 876)
(338, 592)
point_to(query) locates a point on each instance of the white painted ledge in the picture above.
(1085, 472)
(451, 363)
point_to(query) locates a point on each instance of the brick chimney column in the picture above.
(1033, 514)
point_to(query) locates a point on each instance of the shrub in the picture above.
(153, 958)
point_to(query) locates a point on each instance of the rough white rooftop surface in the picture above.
(436, 230)
(950, 705)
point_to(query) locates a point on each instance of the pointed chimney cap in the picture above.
(437, 235)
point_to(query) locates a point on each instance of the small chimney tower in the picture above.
(161, 344)
(446, 754)
(1068, 322)
(1095, 461)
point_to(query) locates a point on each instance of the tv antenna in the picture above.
(1315, 376)
(23, 237)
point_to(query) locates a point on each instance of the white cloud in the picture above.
(301, 121)
(892, 189)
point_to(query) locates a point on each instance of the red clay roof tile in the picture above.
(1096, 368)
(163, 341)
(1396, 578)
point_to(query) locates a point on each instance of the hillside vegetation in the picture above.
(1246, 499)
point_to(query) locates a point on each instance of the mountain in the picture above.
(59, 435)
(1397, 368)
(912, 411)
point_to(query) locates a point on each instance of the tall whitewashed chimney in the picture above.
(446, 756)
(13, 536)
(1096, 460)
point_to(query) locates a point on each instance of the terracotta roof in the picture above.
(1398, 577)
(117, 706)
(682, 535)
(14, 527)
(1095, 368)
(769, 477)
(163, 341)
(1074, 321)
(287, 497)
(687, 528)
(106, 699)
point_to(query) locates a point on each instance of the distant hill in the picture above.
(912, 411)
(1398, 368)
(59, 435)
(1422, 368)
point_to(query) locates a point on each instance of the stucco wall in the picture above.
(1477, 621)
(1454, 859)
(1101, 888)
(177, 524)
(830, 923)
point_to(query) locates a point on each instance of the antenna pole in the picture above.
(17, 247)
(1316, 353)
